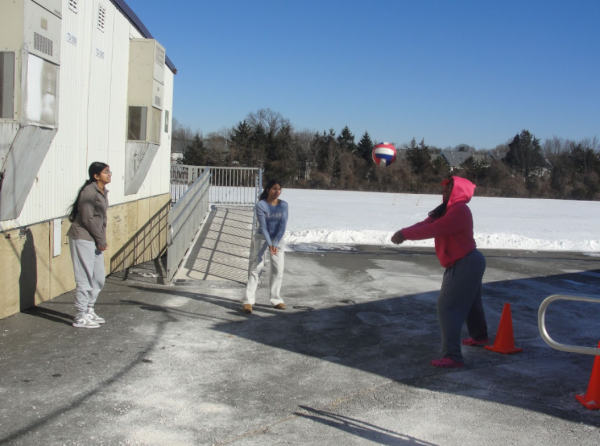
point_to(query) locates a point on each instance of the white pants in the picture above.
(257, 262)
(88, 266)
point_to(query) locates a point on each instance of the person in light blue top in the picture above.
(272, 216)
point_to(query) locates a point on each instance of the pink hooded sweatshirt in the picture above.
(453, 232)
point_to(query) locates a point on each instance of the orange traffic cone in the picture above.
(505, 342)
(591, 399)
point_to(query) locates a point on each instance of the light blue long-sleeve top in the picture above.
(272, 220)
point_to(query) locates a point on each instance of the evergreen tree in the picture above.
(195, 154)
(584, 159)
(281, 161)
(346, 140)
(524, 154)
(258, 143)
(365, 147)
(418, 156)
(241, 143)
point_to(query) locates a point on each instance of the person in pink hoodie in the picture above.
(451, 226)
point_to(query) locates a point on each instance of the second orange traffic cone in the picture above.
(591, 399)
(505, 341)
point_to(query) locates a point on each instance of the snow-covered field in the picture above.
(369, 218)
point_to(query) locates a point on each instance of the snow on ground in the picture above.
(346, 218)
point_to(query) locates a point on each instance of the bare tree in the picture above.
(271, 121)
(181, 132)
(591, 143)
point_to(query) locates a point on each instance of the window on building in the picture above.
(155, 131)
(7, 85)
(136, 126)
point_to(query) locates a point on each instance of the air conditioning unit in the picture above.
(30, 41)
(145, 90)
(30, 37)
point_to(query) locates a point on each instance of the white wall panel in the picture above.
(99, 99)
(118, 109)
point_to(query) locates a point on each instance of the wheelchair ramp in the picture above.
(222, 249)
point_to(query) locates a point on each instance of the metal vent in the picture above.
(73, 5)
(42, 44)
(160, 56)
(101, 17)
(157, 101)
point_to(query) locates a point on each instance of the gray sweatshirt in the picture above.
(90, 222)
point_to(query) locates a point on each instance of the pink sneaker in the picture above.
(446, 363)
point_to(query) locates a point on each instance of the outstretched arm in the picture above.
(456, 219)
(398, 237)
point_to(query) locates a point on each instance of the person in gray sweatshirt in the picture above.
(87, 242)
(272, 216)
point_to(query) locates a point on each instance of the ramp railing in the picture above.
(542, 324)
(229, 185)
(185, 217)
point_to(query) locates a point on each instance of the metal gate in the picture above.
(229, 185)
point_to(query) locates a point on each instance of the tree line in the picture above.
(521, 167)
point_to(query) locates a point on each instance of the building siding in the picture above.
(93, 118)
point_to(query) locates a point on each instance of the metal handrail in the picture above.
(185, 218)
(542, 324)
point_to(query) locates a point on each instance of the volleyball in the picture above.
(384, 154)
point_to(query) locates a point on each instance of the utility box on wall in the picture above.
(30, 37)
(145, 90)
(145, 95)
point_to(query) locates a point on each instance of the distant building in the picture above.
(178, 147)
(454, 158)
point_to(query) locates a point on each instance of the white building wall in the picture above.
(93, 116)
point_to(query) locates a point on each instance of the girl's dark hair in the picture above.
(94, 169)
(439, 211)
(268, 186)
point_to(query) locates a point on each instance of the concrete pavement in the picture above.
(347, 363)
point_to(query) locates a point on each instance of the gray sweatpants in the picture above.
(88, 266)
(460, 300)
(259, 252)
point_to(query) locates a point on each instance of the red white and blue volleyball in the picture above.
(384, 154)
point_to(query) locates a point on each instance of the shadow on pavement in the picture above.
(51, 315)
(359, 428)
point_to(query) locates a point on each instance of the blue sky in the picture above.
(475, 72)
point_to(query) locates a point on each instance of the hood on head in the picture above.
(461, 192)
